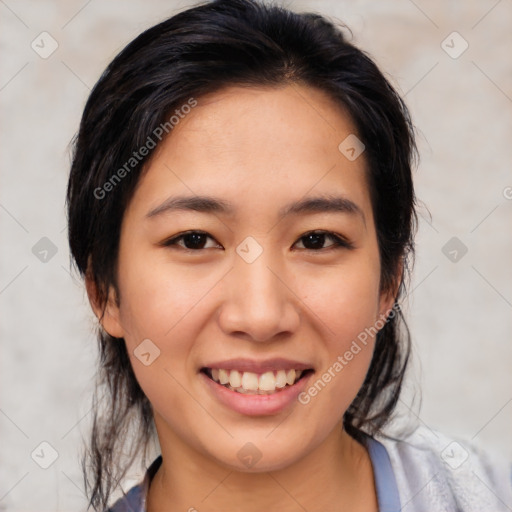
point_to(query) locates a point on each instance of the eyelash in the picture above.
(339, 242)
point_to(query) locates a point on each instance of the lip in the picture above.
(256, 405)
(268, 365)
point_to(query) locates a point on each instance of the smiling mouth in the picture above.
(249, 383)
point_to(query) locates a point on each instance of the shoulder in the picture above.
(436, 472)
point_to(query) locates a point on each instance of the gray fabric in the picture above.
(438, 473)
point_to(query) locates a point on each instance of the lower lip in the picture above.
(256, 405)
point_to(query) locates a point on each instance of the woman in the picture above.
(242, 210)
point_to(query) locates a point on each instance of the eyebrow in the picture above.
(208, 204)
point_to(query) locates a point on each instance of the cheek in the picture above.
(347, 305)
(162, 304)
(159, 299)
(165, 304)
(345, 299)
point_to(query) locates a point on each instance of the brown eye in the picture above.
(192, 240)
(315, 241)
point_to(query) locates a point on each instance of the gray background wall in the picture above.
(460, 302)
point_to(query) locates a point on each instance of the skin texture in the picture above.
(258, 149)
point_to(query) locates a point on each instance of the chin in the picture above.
(259, 455)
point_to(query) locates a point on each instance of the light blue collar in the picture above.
(385, 482)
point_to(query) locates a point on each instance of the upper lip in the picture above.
(251, 365)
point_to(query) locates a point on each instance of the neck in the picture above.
(337, 475)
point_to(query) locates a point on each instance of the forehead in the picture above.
(257, 148)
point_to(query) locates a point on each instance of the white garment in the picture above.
(436, 473)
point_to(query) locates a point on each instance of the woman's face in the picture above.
(254, 295)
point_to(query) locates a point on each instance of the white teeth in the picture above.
(281, 379)
(235, 379)
(223, 376)
(252, 383)
(267, 382)
(249, 381)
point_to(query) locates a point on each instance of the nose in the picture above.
(259, 302)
